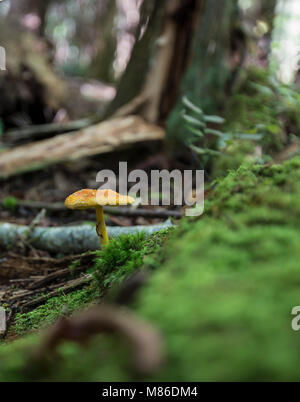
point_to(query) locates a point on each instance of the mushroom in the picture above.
(87, 198)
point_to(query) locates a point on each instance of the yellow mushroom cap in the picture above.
(87, 198)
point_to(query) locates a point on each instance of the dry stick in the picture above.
(146, 213)
(55, 275)
(39, 267)
(24, 295)
(145, 341)
(22, 280)
(38, 284)
(64, 289)
(27, 293)
(45, 129)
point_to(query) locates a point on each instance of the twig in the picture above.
(24, 295)
(43, 130)
(133, 212)
(55, 275)
(71, 285)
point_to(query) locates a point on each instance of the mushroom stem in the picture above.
(101, 227)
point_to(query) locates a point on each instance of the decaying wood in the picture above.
(104, 137)
(143, 339)
(67, 240)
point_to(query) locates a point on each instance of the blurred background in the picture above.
(87, 44)
(210, 83)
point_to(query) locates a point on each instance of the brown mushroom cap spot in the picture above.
(87, 198)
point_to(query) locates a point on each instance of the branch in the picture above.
(43, 130)
(119, 211)
(110, 135)
(69, 239)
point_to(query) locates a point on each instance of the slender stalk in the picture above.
(101, 227)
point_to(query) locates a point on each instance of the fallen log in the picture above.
(110, 135)
(66, 240)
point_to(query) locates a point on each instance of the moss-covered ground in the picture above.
(221, 293)
(111, 267)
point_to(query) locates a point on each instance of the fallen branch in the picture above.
(54, 276)
(21, 268)
(119, 211)
(68, 287)
(110, 135)
(67, 240)
(40, 131)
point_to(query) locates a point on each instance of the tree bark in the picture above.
(102, 68)
(207, 76)
(159, 58)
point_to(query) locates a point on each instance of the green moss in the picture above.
(259, 105)
(111, 265)
(50, 311)
(222, 297)
(223, 304)
(124, 255)
(234, 156)
(261, 191)
(10, 203)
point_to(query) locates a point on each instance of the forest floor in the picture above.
(30, 277)
(218, 289)
(220, 292)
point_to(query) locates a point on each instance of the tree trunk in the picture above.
(159, 58)
(207, 77)
(102, 65)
